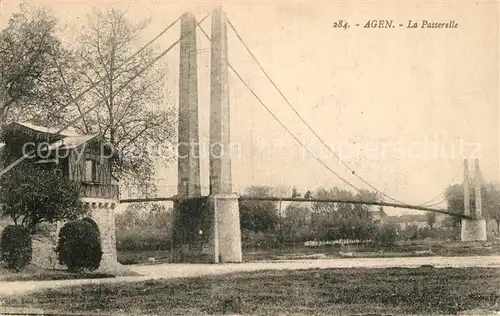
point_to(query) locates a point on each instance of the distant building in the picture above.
(378, 215)
(404, 221)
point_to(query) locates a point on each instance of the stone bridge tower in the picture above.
(222, 200)
(473, 229)
(206, 228)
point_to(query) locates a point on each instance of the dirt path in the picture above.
(148, 272)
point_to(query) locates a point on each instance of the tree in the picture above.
(31, 195)
(386, 235)
(132, 118)
(259, 216)
(308, 195)
(297, 223)
(455, 204)
(410, 232)
(143, 216)
(31, 57)
(144, 226)
(491, 203)
(343, 220)
(431, 219)
(280, 191)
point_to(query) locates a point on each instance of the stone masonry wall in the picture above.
(103, 213)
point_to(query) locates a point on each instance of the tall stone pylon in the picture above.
(188, 161)
(220, 133)
(466, 189)
(189, 211)
(225, 206)
(473, 229)
(478, 185)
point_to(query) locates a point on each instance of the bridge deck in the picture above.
(312, 200)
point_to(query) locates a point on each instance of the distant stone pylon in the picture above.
(473, 229)
(478, 184)
(466, 189)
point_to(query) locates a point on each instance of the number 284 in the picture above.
(341, 24)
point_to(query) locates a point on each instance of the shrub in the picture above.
(91, 221)
(259, 240)
(16, 247)
(79, 246)
(141, 239)
(386, 235)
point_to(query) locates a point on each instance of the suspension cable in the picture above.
(281, 123)
(303, 120)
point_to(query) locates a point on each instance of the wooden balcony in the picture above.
(97, 190)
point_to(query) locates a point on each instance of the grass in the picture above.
(424, 290)
(33, 273)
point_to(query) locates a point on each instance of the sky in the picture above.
(402, 107)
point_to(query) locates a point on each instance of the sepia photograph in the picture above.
(249, 157)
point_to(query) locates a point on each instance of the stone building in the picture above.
(403, 221)
(85, 159)
(378, 215)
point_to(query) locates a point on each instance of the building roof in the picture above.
(376, 209)
(42, 129)
(76, 141)
(71, 142)
(71, 139)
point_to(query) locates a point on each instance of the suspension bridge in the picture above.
(208, 226)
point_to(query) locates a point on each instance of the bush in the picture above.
(144, 227)
(386, 236)
(79, 246)
(91, 221)
(259, 240)
(410, 232)
(16, 247)
(141, 239)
